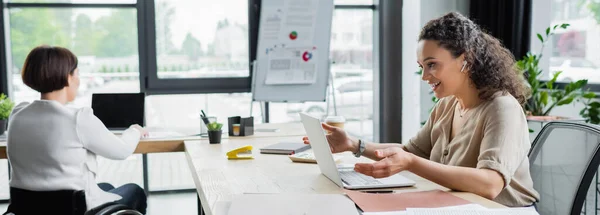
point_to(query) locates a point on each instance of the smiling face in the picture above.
(441, 70)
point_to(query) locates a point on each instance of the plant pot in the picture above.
(536, 123)
(214, 137)
(3, 124)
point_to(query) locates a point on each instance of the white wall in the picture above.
(417, 100)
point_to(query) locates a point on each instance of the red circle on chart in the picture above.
(306, 56)
(293, 35)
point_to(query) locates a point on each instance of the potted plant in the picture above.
(214, 132)
(6, 106)
(545, 96)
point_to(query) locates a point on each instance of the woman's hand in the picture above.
(143, 131)
(337, 138)
(393, 160)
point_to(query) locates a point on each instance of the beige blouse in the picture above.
(495, 136)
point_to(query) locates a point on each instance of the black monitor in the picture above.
(119, 110)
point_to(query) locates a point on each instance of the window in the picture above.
(201, 47)
(576, 50)
(353, 76)
(196, 39)
(105, 41)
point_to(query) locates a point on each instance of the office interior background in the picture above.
(189, 55)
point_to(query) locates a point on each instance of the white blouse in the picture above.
(53, 147)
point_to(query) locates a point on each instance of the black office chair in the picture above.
(67, 202)
(563, 161)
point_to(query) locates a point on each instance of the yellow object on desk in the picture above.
(233, 154)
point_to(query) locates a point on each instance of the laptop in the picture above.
(343, 177)
(119, 110)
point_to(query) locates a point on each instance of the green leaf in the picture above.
(531, 130)
(565, 25)
(540, 37)
(555, 26)
(595, 105)
(589, 95)
(544, 97)
(547, 31)
(565, 101)
(6, 106)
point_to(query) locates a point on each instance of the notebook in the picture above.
(309, 157)
(285, 148)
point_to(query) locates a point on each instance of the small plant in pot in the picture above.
(6, 106)
(214, 132)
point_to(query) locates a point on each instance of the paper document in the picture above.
(460, 207)
(300, 21)
(292, 66)
(292, 204)
(271, 26)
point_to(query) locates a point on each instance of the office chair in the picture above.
(67, 202)
(564, 159)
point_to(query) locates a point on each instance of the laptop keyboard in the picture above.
(355, 178)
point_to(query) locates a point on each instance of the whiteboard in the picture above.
(292, 59)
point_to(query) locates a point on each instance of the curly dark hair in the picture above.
(491, 66)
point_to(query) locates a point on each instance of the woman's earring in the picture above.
(463, 67)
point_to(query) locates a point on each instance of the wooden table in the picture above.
(176, 144)
(218, 180)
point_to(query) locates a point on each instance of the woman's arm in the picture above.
(99, 140)
(484, 182)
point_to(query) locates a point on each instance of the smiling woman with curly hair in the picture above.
(476, 139)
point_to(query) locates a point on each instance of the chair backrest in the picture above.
(563, 161)
(68, 202)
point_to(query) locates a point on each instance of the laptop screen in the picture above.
(119, 110)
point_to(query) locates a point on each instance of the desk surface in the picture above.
(218, 180)
(175, 144)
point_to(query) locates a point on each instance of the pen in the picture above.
(204, 118)
(378, 191)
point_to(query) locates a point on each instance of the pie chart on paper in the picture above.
(293, 35)
(306, 56)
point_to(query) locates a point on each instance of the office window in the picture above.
(202, 39)
(104, 40)
(75, 1)
(352, 71)
(576, 50)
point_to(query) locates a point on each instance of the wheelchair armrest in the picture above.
(112, 209)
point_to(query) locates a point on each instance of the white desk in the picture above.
(218, 179)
